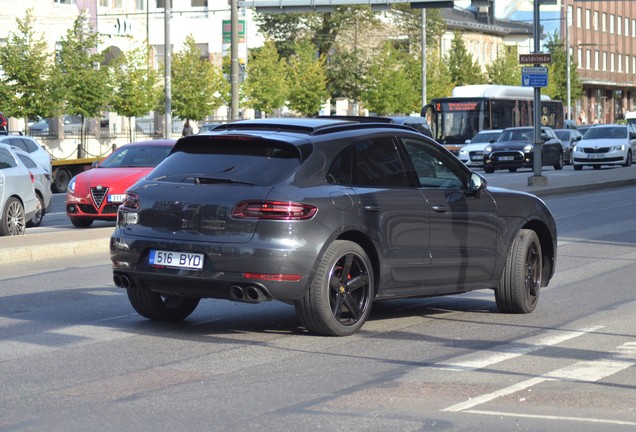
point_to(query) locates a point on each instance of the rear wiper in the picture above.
(218, 180)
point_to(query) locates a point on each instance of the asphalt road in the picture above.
(75, 357)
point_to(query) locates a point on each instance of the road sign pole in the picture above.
(537, 179)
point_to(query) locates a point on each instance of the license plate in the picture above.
(595, 156)
(477, 157)
(185, 260)
(506, 158)
(116, 198)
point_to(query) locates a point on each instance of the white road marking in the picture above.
(548, 417)
(514, 349)
(590, 371)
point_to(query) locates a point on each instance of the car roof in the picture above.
(306, 125)
(161, 142)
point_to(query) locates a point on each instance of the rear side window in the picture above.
(19, 144)
(255, 162)
(6, 160)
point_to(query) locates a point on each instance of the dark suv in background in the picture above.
(328, 216)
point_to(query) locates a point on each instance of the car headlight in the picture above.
(71, 185)
(463, 152)
(618, 148)
(528, 148)
(487, 150)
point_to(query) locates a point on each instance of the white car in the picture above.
(17, 197)
(613, 144)
(472, 154)
(32, 147)
(42, 185)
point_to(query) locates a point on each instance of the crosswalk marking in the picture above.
(590, 371)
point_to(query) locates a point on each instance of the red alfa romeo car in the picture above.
(95, 194)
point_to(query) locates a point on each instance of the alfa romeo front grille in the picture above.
(98, 194)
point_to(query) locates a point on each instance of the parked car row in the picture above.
(25, 190)
(513, 148)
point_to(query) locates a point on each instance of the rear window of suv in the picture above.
(254, 162)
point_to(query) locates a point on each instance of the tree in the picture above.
(438, 78)
(307, 79)
(464, 70)
(388, 86)
(198, 87)
(85, 85)
(265, 88)
(557, 72)
(505, 69)
(27, 66)
(136, 90)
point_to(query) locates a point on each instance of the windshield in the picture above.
(617, 132)
(136, 156)
(485, 137)
(526, 134)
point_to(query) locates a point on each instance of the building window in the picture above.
(199, 3)
(67, 2)
(634, 28)
(612, 62)
(580, 58)
(611, 26)
(619, 24)
(595, 60)
(626, 26)
(595, 20)
(604, 22)
(578, 17)
(587, 19)
(140, 5)
(620, 63)
(604, 61)
(588, 55)
(570, 15)
(626, 64)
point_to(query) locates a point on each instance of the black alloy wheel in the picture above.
(339, 299)
(520, 282)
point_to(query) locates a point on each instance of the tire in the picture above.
(578, 167)
(36, 220)
(81, 222)
(157, 307)
(520, 282)
(13, 218)
(560, 163)
(340, 296)
(489, 170)
(512, 170)
(628, 159)
(60, 183)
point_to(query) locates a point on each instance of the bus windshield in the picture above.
(455, 120)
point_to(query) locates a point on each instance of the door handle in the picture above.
(372, 208)
(439, 208)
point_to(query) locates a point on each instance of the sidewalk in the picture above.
(70, 242)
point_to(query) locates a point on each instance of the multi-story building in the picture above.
(602, 39)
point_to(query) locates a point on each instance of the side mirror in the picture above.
(467, 141)
(477, 183)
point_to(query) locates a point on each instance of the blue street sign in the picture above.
(534, 76)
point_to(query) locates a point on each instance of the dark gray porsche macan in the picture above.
(327, 215)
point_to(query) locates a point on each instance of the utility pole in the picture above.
(537, 178)
(167, 127)
(234, 65)
(423, 56)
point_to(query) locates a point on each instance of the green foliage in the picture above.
(464, 70)
(505, 70)
(409, 21)
(557, 72)
(27, 68)
(307, 79)
(86, 85)
(265, 88)
(438, 78)
(388, 86)
(135, 84)
(198, 87)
